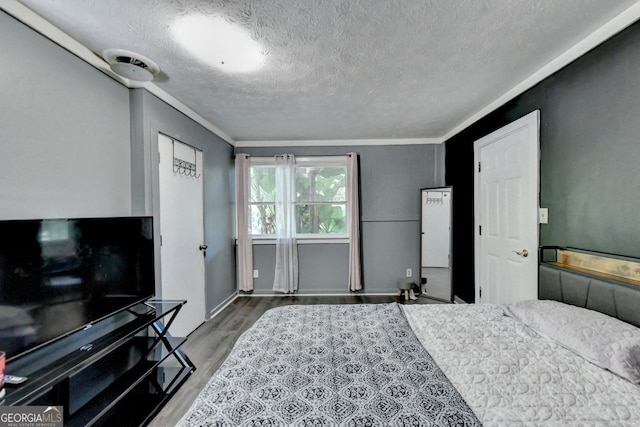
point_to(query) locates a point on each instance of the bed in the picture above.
(548, 362)
(509, 374)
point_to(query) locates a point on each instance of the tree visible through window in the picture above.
(320, 204)
(262, 202)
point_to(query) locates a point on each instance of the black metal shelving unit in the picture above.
(122, 371)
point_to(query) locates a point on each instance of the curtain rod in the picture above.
(305, 155)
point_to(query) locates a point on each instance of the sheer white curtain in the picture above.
(243, 223)
(355, 277)
(286, 275)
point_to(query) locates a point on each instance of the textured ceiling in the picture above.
(343, 69)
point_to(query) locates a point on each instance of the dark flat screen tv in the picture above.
(58, 276)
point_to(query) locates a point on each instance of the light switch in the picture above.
(543, 215)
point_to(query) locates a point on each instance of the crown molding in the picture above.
(593, 40)
(48, 30)
(339, 142)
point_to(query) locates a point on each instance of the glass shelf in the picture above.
(135, 341)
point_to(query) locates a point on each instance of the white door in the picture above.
(182, 231)
(506, 212)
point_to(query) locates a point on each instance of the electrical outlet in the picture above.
(256, 274)
(409, 272)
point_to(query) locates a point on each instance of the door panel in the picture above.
(514, 209)
(506, 209)
(492, 274)
(182, 233)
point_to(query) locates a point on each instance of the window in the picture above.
(320, 203)
(262, 200)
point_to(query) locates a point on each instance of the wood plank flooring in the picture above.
(209, 345)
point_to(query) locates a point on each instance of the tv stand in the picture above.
(120, 371)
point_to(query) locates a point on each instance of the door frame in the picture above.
(154, 196)
(532, 120)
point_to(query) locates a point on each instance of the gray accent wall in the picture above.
(589, 156)
(390, 181)
(76, 143)
(590, 142)
(64, 132)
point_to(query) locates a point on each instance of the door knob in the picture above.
(523, 253)
(203, 247)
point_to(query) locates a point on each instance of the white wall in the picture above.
(75, 143)
(64, 132)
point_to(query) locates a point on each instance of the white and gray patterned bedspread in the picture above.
(511, 376)
(318, 365)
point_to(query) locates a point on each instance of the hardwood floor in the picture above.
(209, 345)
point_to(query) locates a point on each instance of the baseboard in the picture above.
(458, 300)
(216, 310)
(334, 294)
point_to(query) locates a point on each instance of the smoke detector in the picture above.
(131, 65)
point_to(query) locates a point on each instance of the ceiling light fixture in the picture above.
(131, 65)
(219, 43)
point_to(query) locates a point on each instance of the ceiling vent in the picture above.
(131, 65)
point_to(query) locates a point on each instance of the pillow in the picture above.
(608, 342)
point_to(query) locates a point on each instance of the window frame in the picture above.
(307, 161)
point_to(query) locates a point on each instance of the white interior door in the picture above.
(182, 232)
(506, 212)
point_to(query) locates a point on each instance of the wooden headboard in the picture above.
(610, 292)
